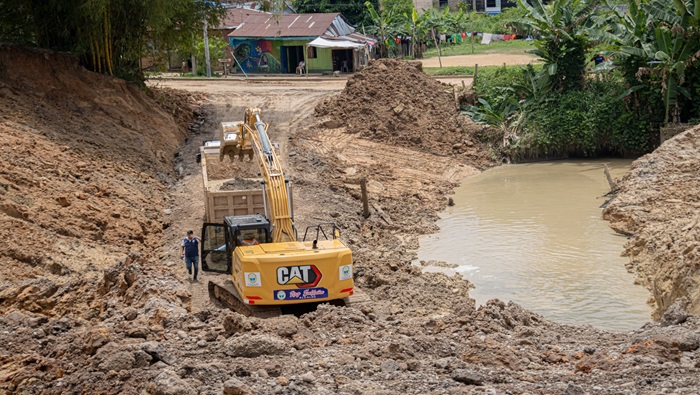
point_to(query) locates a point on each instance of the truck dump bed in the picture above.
(239, 195)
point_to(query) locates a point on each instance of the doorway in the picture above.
(291, 56)
(342, 60)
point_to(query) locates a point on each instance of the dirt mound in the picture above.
(393, 101)
(240, 184)
(86, 163)
(659, 206)
(226, 168)
(73, 322)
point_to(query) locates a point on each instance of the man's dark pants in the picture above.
(192, 261)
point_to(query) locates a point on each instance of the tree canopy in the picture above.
(354, 10)
(109, 36)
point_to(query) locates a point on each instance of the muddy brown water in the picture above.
(534, 234)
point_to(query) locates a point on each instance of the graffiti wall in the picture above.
(258, 56)
(279, 56)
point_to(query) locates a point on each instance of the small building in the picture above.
(493, 7)
(265, 43)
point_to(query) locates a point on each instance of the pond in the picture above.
(534, 234)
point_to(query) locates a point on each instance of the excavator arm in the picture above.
(251, 138)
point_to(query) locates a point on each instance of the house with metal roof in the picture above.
(265, 43)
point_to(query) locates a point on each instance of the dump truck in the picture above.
(251, 237)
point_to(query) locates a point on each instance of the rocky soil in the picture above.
(116, 315)
(659, 207)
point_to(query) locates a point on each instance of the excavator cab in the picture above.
(220, 239)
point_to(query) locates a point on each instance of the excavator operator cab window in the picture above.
(251, 237)
(216, 249)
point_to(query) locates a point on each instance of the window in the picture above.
(215, 254)
(248, 237)
(491, 4)
(311, 53)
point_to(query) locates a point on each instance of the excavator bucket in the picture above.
(235, 141)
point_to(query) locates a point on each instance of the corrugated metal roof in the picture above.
(293, 25)
(235, 16)
(352, 40)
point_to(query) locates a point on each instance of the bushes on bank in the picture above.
(576, 123)
(589, 122)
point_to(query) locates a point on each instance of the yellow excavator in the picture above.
(268, 267)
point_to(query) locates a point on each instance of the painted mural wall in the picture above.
(273, 56)
(258, 56)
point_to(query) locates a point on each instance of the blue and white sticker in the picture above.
(252, 279)
(345, 272)
(300, 294)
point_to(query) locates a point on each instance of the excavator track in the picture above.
(358, 300)
(227, 294)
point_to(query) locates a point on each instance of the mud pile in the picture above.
(659, 207)
(394, 102)
(85, 169)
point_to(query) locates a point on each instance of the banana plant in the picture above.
(503, 112)
(414, 24)
(665, 38)
(381, 25)
(435, 22)
(562, 41)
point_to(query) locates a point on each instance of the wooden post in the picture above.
(306, 60)
(476, 71)
(613, 187)
(365, 202)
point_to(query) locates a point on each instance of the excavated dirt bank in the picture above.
(659, 206)
(85, 171)
(138, 327)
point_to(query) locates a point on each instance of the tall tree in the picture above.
(109, 36)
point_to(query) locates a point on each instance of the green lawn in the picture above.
(465, 48)
(465, 70)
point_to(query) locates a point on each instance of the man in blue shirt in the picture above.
(190, 251)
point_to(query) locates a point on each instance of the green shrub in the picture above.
(591, 122)
(489, 83)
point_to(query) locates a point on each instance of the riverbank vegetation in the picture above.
(649, 80)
